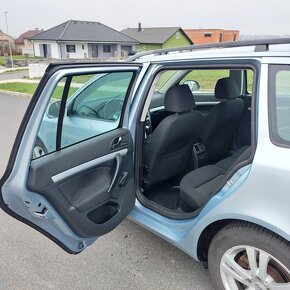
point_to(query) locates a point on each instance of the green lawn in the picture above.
(206, 78)
(82, 79)
(3, 58)
(19, 87)
(30, 89)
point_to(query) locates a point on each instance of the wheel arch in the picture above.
(212, 229)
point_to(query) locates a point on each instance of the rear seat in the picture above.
(199, 185)
(228, 162)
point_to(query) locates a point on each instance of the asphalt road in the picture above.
(14, 75)
(130, 257)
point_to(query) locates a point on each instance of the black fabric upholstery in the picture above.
(226, 88)
(168, 149)
(218, 127)
(228, 162)
(179, 99)
(199, 185)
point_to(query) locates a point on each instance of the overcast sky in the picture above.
(249, 16)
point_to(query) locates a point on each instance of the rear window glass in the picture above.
(279, 94)
(206, 80)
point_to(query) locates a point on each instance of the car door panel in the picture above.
(74, 194)
(78, 186)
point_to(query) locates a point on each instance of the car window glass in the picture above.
(204, 81)
(101, 97)
(164, 78)
(94, 106)
(250, 79)
(282, 93)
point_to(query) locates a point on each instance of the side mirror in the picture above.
(193, 85)
(53, 109)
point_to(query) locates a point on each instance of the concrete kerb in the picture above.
(20, 81)
(4, 69)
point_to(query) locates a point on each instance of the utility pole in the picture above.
(9, 44)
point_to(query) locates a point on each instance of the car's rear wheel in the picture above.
(39, 149)
(246, 256)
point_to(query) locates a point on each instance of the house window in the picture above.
(83, 47)
(235, 37)
(107, 48)
(70, 48)
(177, 35)
(221, 37)
(207, 35)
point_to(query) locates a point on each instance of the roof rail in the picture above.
(261, 45)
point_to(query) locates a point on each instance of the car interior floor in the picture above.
(164, 194)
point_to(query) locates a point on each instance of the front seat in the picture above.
(219, 126)
(168, 149)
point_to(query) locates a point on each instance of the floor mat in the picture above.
(165, 195)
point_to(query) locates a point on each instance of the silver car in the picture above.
(191, 143)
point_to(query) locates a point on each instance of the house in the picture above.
(201, 36)
(82, 39)
(4, 43)
(157, 37)
(24, 44)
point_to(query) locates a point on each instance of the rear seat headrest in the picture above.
(226, 88)
(179, 99)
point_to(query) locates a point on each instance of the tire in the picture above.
(39, 149)
(229, 258)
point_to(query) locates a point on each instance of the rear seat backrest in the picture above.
(219, 125)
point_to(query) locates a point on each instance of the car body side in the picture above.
(257, 195)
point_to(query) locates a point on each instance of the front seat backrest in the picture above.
(168, 149)
(220, 124)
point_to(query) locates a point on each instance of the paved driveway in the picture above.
(128, 258)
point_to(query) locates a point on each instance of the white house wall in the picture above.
(55, 51)
(81, 51)
(36, 49)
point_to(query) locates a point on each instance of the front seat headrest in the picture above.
(226, 88)
(179, 99)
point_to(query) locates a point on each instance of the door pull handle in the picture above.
(118, 159)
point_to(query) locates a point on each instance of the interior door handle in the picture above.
(116, 142)
(118, 159)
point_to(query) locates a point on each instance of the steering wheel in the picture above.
(89, 109)
(110, 110)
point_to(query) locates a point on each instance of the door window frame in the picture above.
(144, 106)
(64, 99)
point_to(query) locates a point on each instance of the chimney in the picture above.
(139, 26)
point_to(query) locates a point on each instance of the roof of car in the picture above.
(253, 48)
